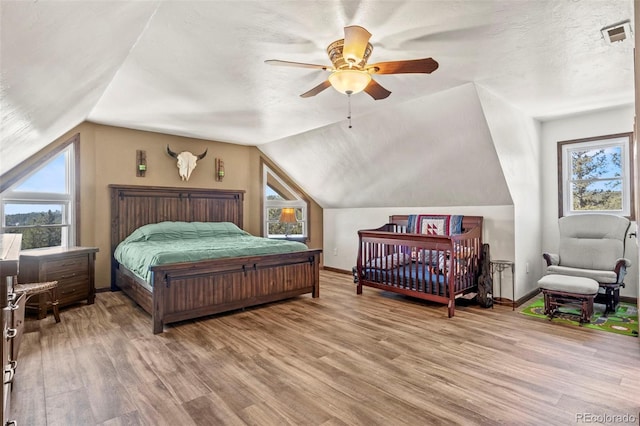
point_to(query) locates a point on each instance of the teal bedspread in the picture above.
(174, 242)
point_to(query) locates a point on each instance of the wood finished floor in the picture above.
(342, 359)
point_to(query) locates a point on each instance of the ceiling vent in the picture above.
(617, 32)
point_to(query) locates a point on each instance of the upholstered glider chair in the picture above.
(592, 246)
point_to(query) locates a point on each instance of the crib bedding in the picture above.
(414, 276)
(176, 242)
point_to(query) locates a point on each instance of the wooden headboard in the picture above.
(134, 206)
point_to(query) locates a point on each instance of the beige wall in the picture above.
(108, 156)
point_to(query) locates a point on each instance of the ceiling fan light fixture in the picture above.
(350, 73)
(349, 81)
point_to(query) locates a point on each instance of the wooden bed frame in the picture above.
(461, 274)
(183, 291)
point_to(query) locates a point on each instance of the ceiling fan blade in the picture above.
(319, 88)
(355, 43)
(376, 91)
(426, 65)
(296, 64)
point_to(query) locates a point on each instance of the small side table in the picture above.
(499, 266)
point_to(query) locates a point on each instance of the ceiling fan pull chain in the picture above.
(349, 112)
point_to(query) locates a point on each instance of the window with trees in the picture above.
(279, 198)
(596, 175)
(41, 204)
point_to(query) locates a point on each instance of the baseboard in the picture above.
(629, 299)
(338, 270)
(533, 293)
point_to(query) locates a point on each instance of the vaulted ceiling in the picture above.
(196, 68)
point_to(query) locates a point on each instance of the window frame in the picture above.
(564, 148)
(70, 201)
(298, 203)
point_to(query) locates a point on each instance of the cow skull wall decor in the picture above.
(186, 161)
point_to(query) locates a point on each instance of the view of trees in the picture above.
(275, 226)
(38, 229)
(278, 228)
(596, 179)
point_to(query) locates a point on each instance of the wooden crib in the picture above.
(437, 268)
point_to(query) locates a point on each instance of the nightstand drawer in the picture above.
(64, 268)
(69, 282)
(67, 275)
(72, 291)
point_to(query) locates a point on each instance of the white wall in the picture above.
(516, 138)
(619, 120)
(341, 228)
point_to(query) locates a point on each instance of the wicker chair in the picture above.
(49, 287)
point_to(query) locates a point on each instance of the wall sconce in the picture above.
(219, 169)
(141, 162)
(288, 216)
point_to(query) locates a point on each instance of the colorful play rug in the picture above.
(623, 321)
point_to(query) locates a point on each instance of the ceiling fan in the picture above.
(350, 73)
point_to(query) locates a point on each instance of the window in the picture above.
(596, 176)
(41, 204)
(279, 196)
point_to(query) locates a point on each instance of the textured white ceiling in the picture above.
(433, 151)
(196, 68)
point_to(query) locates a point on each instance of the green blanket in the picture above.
(175, 242)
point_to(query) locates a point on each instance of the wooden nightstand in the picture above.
(72, 267)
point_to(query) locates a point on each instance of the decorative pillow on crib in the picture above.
(433, 225)
(430, 257)
(389, 262)
(442, 258)
(460, 264)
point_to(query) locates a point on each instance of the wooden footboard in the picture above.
(430, 267)
(183, 291)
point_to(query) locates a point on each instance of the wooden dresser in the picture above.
(12, 316)
(72, 267)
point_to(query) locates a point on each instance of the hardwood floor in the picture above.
(341, 359)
